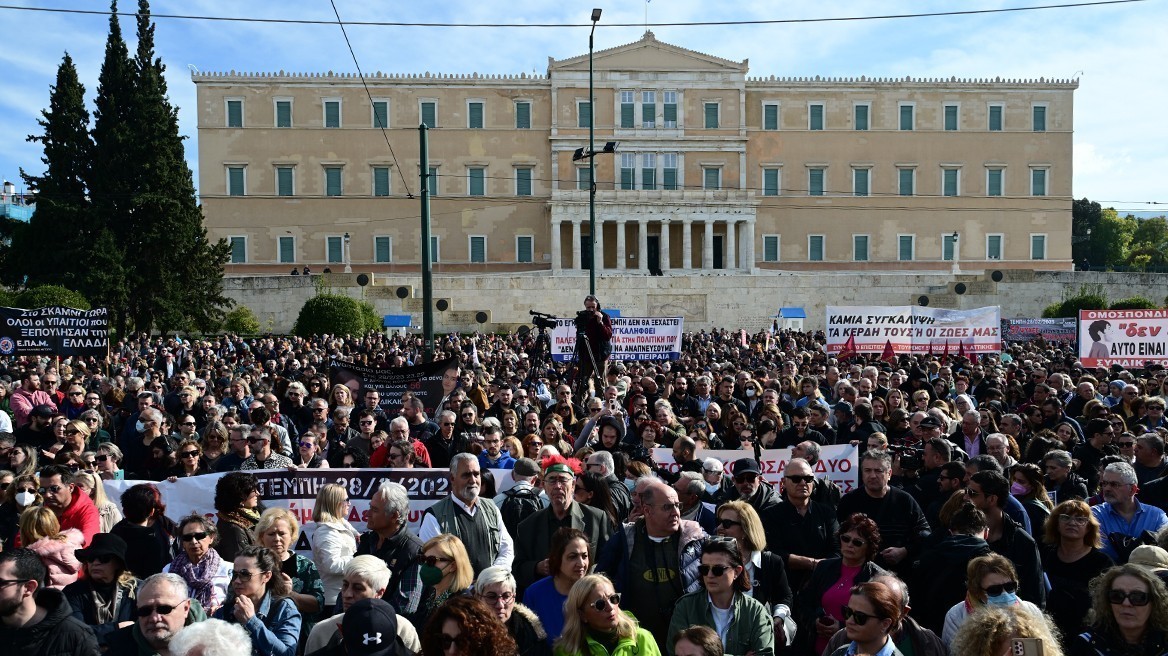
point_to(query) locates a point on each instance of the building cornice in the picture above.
(954, 82)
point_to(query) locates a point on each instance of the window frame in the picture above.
(470, 179)
(946, 239)
(717, 104)
(766, 104)
(373, 113)
(482, 113)
(822, 247)
(867, 105)
(957, 184)
(706, 168)
(327, 240)
(389, 250)
(580, 124)
(778, 180)
(529, 117)
(231, 241)
(677, 171)
(435, 174)
(651, 124)
(867, 247)
(1043, 237)
(583, 183)
(470, 249)
(292, 171)
(822, 115)
(227, 112)
(1045, 170)
(531, 249)
(1001, 169)
(956, 116)
(325, 168)
(645, 158)
(530, 179)
(912, 181)
(867, 169)
(778, 247)
(435, 249)
(242, 168)
(676, 122)
(422, 102)
(1001, 236)
(900, 105)
(291, 100)
(373, 180)
(1045, 107)
(280, 249)
(622, 170)
(324, 103)
(822, 180)
(912, 244)
(1001, 107)
(620, 109)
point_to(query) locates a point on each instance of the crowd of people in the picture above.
(1008, 496)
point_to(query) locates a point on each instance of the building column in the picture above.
(556, 255)
(748, 247)
(708, 246)
(621, 256)
(576, 254)
(664, 257)
(686, 244)
(728, 257)
(598, 245)
(642, 245)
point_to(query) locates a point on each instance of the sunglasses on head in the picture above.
(995, 590)
(1135, 597)
(603, 603)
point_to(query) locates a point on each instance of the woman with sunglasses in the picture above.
(214, 443)
(595, 625)
(827, 590)
(1071, 559)
(766, 571)
(1129, 615)
(872, 613)
(990, 580)
(97, 434)
(207, 574)
(743, 623)
(308, 454)
(445, 572)
(106, 596)
(259, 603)
(569, 560)
(190, 461)
(90, 483)
(22, 493)
(465, 626)
(108, 461)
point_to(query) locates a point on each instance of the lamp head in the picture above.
(596, 14)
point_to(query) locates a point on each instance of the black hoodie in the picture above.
(59, 634)
(938, 579)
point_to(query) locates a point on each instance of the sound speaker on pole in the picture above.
(403, 292)
(997, 276)
(922, 300)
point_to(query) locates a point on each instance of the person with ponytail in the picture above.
(259, 603)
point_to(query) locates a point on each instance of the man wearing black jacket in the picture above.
(751, 488)
(389, 538)
(939, 574)
(988, 491)
(35, 620)
(903, 526)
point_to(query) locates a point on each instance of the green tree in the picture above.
(373, 322)
(50, 296)
(1085, 217)
(241, 321)
(1111, 239)
(1134, 303)
(331, 314)
(1148, 244)
(1088, 298)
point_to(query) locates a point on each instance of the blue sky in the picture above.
(1120, 138)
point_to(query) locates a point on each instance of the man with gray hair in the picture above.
(690, 486)
(1061, 483)
(998, 446)
(389, 538)
(164, 609)
(462, 514)
(824, 490)
(211, 638)
(602, 463)
(1121, 514)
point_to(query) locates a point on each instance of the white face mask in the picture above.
(24, 499)
(139, 426)
(750, 392)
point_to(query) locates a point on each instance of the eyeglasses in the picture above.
(161, 609)
(728, 523)
(1112, 483)
(8, 582)
(667, 507)
(433, 561)
(30, 490)
(855, 542)
(446, 423)
(795, 478)
(1135, 597)
(189, 454)
(366, 423)
(716, 570)
(194, 537)
(76, 393)
(995, 590)
(535, 443)
(603, 603)
(53, 489)
(467, 414)
(856, 616)
(1073, 519)
(102, 559)
(256, 440)
(492, 599)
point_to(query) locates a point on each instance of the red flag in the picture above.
(961, 349)
(945, 355)
(888, 355)
(849, 349)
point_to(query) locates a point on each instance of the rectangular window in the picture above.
(649, 171)
(815, 248)
(287, 248)
(285, 185)
(861, 116)
(522, 115)
(283, 113)
(994, 182)
(432, 180)
(993, 247)
(815, 116)
(906, 181)
(905, 247)
(381, 114)
(523, 181)
(711, 178)
(524, 248)
(332, 113)
(627, 109)
(382, 249)
(1037, 182)
(669, 171)
(951, 118)
(860, 181)
(478, 249)
(429, 110)
(332, 181)
(670, 109)
(770, 182)
(1038, 247)
(950, 185)
(770, 248)
(995, 118)
(860, 248)
(947, 245)
(906, 117)
(770, 116)
(474, 115)
(583, 178)
(234, 113)
(334, 249)
(815, 182)
(434, 250)
(1040, 118)
(648, 109)
(238, 250)
(476, 181)
(711, 112)
(236, 185)
(628, 171)
(583, 113)
(380, 180)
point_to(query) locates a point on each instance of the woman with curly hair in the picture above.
(1071, 558)
(1129, 615)
(650, 434)
(991, 630)
(237, 501)
(467, 626)
(595, 624)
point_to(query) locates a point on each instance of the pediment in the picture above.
(649, 54)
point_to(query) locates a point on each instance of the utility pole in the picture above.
(592, 164)
(427, 283)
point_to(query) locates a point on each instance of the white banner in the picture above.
(913, 329)
(633, 338)
(1128, 338)
(838, 463)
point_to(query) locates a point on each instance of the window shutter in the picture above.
(815, 248)
(994, 247)
(234, 113)
(430, 114)
(994, 183)
(712, 178)
(770, 117)
(770, 182)
(434, 249)
(287, 254)
(648, 114)
(523, 115)
(816, 117)
(381, 114)
(815, 182)
(334, 249)
(906, 248)
(861, 248)
(947, 248)
(283, 114)
(475, 116)
(950, 117)
(522, 182)
(627, 179)
(1040, 119)
(235, 181)
(332, 181)
(649, 179)
(332, 114)
(906, 182)
(583, 178)
(432, 181)
(711, 116)
(524, 249)
(995, 118)
(770, 248)
(478, 249)
(906, 117)
(626, 115)
(476, 182)
(950, 182)
(1038, 247)
(861, 178)
(284, 181)
(1039, 176)
(585, 109)
(381, 249)
(238, 250)
(669, 178)
(670, 116)
(381, 181)
(861, 117)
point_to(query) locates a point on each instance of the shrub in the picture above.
(241, 321)
(6, 298)
(373, 321)
(1069, 307)
(1134, 303)
(333, 314)
(50, 296)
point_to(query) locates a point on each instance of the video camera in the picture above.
(543, 320)
(912, 458)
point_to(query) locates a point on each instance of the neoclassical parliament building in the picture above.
(714, 170)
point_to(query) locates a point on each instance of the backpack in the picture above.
(521, 502)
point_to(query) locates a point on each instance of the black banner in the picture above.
(1051, 330)
(54, 331)
(425, 381)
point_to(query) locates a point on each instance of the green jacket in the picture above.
(752, 629)
(641, 644)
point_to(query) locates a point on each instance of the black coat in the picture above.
(825, 574)
(81, 599)
(59, 634)
(938, 577)
(770, 584)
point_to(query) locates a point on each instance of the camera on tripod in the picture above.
(543, 320)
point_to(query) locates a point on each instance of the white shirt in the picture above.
(430, 529)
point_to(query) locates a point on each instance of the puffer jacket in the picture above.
(618, 552)
(641, 644)
(58, 557)
(59, 634)
(525, 627)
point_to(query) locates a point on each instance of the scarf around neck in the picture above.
(200, 577)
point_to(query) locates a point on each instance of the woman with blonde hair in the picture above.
(92, 485)
(990, 631)
(41, 532)
(21, 493)
(340, 396)
(23, 460)
(278, 531)
(593, 621)
(334, 542)
(445, 571)
(991, 581)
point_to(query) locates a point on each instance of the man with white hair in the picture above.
(1121, 513)
(602, 463)
(211, 638)
(390, 539)
(365, 577)
(164, 610)
(462, 514)
(998, 446)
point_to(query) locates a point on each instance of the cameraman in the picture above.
(592, 355)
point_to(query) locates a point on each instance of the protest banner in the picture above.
(913, 329)
(633, 338)
(1128, 338)
(1050, 330)
(430, 382)
(54, 331)
(838, 463)
(297, 490)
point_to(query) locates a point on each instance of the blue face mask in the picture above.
(1004, 599)
(630, 484)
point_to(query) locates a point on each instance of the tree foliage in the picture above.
(373, 322)
(241, 321)
(1086, 299)
(332, 314)
(50, 296)
(1134, 303)
(1105, 240)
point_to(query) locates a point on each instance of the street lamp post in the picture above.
(348, 267)
(592, 162)
(956, 253)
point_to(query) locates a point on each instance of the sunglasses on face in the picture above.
(855, 542)
(716, 570)
(856, 616)
(103, 559)
(433, 561)
(194, 537)
(795, 478)
(995, 590)
(242, 575)
(101, 457)
(256, 440)
(1135, 597)
(161, 609)
(306, 445)
(53, 489)
(189, 454)
(600, 605)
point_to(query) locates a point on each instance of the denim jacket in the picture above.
(274, 629)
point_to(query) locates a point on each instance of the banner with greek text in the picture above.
(838, 462)
(430, 382)
(54, 331)
(1050, 330)
(297, 490)
(913, 329)
(1128, 338)
(633, 338)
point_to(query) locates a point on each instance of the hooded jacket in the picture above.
(59, 559)
(81, 515)
(939, 577)
(59, 634)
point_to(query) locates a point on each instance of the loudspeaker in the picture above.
(922, 300)
(442, 305)
(997, 276)
(481, 317)
(403, 292)
(362, 279)
(959, 288)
